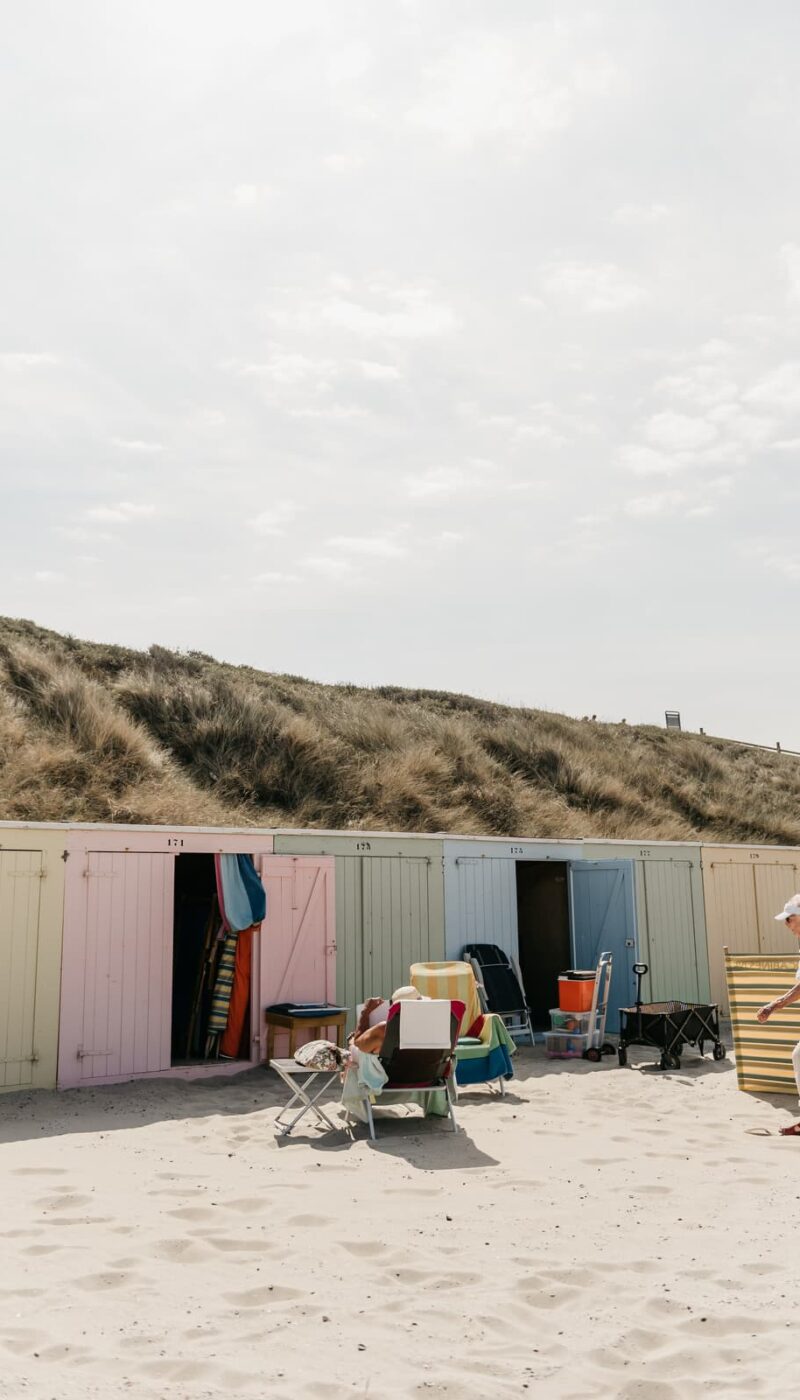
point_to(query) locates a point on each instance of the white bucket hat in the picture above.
(790, 909)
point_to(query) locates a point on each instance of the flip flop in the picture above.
(792, 1131)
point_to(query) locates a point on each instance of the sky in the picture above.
(438, 343)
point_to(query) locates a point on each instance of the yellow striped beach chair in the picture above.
(763, 1052)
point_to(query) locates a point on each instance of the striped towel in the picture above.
(763, 1052)
(449, 981)
(221, 998)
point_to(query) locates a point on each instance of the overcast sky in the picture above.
(446, 343)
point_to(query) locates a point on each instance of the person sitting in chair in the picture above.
(369, 1039)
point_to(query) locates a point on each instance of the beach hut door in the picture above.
(116, 986)
(298, 945)
(603, 920)
(21, 875)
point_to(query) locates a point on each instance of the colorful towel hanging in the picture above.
(242, 897)
(221, 999)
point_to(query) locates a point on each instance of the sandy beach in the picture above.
(599, 1232)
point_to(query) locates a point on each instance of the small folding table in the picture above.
(299, 1078)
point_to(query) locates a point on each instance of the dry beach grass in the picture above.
(600, 1232)
(102, 733)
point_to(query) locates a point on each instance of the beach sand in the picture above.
(599, 1232)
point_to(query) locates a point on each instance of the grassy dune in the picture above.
(101, 733)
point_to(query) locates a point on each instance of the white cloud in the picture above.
(274, 520)
(440, 483)
(22, 360)
(122, 512)
(339, 412)
(788, 565)
(660, 503)
(327, 566)
(677, 432)
(343, 162)
(275, 577)
(284, 367)
(372, 370)
(375, 546)
(644, 461)
(488, 87)
(594, 287)
(637, 215)
(746, 429)
(137, 445)
(779, 388)
(704, 385)
(249, 196)
(415, 316)
(49, 576)
(349, 62)
(790, 257)
(81, 534)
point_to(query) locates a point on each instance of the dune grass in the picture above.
(90, 732)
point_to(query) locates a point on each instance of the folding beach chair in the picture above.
(417, 1055)
(500, 985)
(484, 1047)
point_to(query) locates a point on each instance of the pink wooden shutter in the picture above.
(298, 947)
(116, 1010)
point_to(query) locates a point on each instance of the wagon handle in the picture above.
(639, 969)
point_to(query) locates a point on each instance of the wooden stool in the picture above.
(278, 1021)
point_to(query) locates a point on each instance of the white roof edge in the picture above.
(356, 832)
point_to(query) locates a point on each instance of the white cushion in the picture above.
(425, 1025)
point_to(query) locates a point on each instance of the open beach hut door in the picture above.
(298, 946)
(603, 920)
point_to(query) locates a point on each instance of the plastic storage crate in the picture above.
(574, 1022)
(560, 1045)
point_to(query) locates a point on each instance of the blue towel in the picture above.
(243, 896)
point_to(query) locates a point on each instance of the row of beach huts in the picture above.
(102, 928)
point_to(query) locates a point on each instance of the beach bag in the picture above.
(319, 1054)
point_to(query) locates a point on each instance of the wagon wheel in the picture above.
(607, 1048)
(669, 1061)
(719, 1051)
(622, 1055)
(592, 1054)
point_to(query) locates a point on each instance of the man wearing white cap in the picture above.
(791, 918)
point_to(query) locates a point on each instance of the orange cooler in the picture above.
(575, 991)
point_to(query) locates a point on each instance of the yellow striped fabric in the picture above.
(763, 1052)
(449, 981)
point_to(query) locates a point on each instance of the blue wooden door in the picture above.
(603, 920)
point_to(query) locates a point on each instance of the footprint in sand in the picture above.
(248, 1205)
(20, 1340)
(311, 1222)
(266, 1293)
(746, 1327)
(237, 1246)
(648, 1390)
(181, 1251)
(65, 1200)
(39, 1171)
(192, 1213)
(105, 1281)
(363, 1249)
